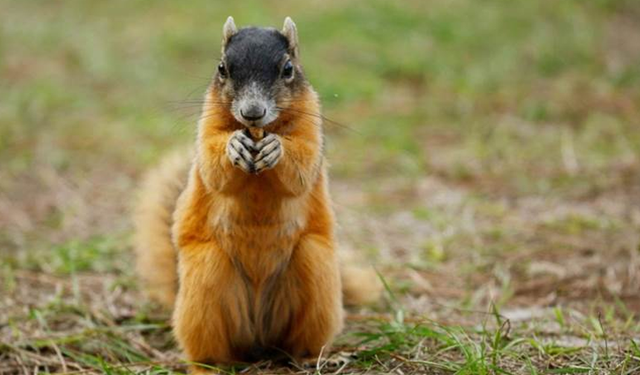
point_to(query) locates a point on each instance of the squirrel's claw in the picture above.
(269, 152)
(238, 151)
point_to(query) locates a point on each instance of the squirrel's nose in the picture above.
(253, 112)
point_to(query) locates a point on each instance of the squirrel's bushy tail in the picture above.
(156, 258)
(360, 284)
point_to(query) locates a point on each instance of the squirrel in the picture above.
(238, 236)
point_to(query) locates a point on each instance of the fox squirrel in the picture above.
(239, 237)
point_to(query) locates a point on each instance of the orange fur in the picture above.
(155, 254)
(258, 267)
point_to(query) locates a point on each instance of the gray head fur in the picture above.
(254, 72)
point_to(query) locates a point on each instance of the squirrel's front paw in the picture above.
(269, 152)
(239, 149)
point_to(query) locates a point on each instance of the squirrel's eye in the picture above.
(287, 70)
(222, 70)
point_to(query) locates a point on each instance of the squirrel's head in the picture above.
(259, 72)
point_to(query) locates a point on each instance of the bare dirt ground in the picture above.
(563, 273)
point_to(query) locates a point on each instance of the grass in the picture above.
(484, 154)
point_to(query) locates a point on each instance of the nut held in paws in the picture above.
(256, 133)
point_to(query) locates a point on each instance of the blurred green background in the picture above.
(470, 138)
(505, 82)
(508, 99)
(81, 77)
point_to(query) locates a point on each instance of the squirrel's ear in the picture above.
(290, 31)
(228, 30)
